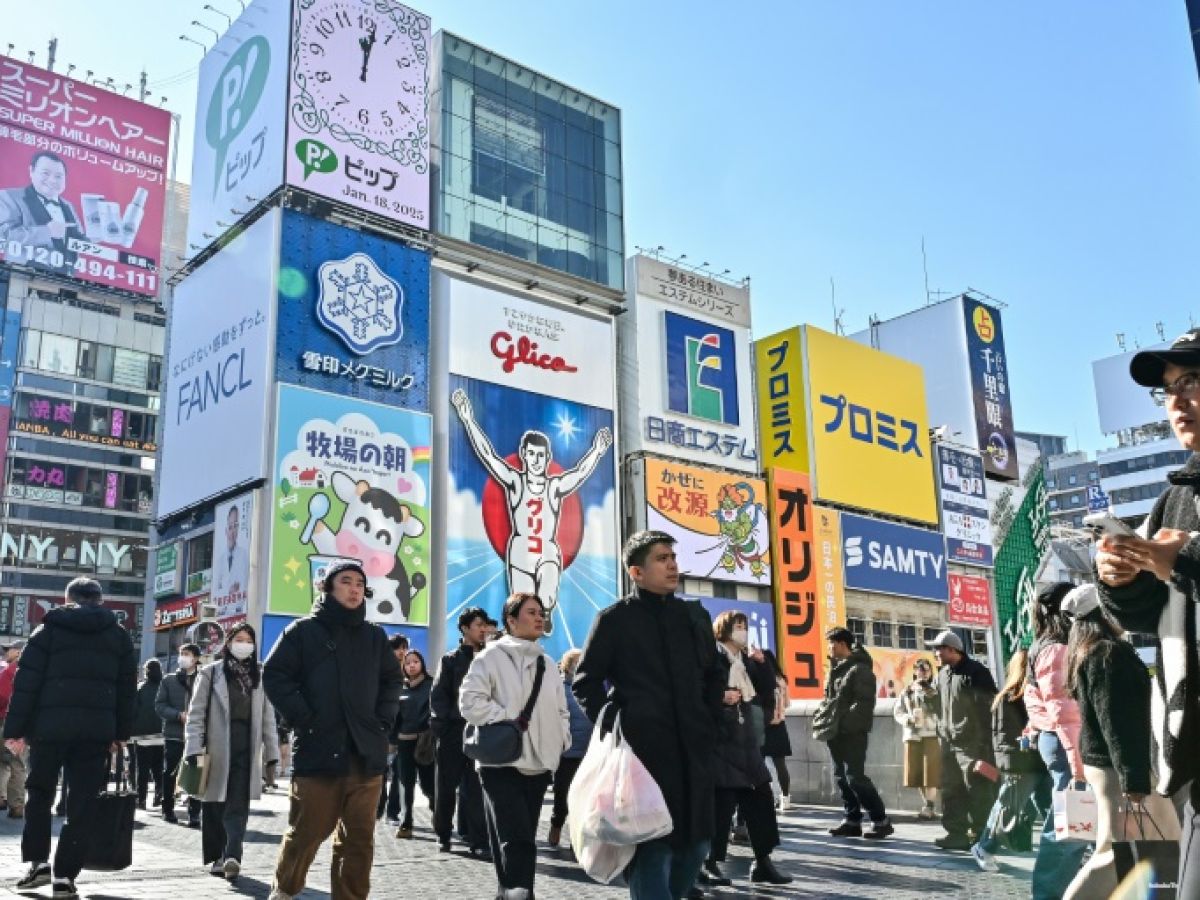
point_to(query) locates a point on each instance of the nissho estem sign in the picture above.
(1017, 564)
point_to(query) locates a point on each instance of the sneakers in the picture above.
(232, 869)
(740, 835)
(847, 829)
(984, 860)
(880, 830)
(764, 872)
(404, 832)
(217, 868)
(169, 816)
(393, 821)
(277, 894)
(927, 813)
(954, 842)
(785, 803)
(39, 875)
(712, 876)
(64, 889)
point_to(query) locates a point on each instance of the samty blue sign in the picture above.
(893, 559)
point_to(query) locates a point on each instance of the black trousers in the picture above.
(758, 807)
(563, 776)
(148, 763)
(411, 772)
(86, 765)
(849, 752)
(454, 768)
(172, 754)
(967, 798)
(223, 824)
(512, 803)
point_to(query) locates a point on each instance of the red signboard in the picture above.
(177, 612)
(970, 600)
(82, 179)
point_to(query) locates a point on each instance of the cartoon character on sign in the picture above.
(374, 526)
(739, 518)
(539, 497)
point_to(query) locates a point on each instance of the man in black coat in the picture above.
(653, 656)
(334, 678)
(454, 770)
(846, 715)
(965, 693)
(73, 703)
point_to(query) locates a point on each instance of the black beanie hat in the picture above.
(340, 567)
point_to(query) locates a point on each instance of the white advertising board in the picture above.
(215, 407)
(358, 124)
(233, 527)
(1120, 401)
(237, 159)
(686, 386)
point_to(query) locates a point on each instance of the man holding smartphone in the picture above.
(1150, 582)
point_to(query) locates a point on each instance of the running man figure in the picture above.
(535, 501)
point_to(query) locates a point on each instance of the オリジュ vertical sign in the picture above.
(358, 124)
(350, 482)
(801, 643)
(990, 389)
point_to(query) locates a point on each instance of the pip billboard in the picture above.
(893, 559)
(782, 413)
(989, 389)
(801, 638)
(219, 369)
(870, 429)
(82, 179)
(719, 521)
(532, 502)
(353, 314)
(358, 129)
(350, 482)
(237, 156)
(965, 516)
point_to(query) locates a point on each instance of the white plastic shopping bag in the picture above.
(1075, 815)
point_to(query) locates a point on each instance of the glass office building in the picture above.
(525, 165)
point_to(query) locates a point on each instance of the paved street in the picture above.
(167, 865)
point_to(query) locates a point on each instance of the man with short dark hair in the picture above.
(73, 703)
(843, 721)
(171, 703)
(37, 216)
(454, 769)
(965, 693)
(652, 655)
(335, 680)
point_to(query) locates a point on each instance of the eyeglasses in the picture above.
(1183, 386)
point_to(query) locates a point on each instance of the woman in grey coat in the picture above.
(231, 718)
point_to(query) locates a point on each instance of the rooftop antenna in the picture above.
(838, 328)
(925, 268)
(1158, 326)
(1121, 340)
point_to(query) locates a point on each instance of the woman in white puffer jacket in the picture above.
(916, 712)
(496, 688)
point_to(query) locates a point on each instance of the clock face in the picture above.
(362, 68)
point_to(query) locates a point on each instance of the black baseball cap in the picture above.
(1147, 367)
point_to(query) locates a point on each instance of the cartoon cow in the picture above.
(373, 527)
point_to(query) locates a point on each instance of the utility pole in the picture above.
(143, 91)
(51, 54)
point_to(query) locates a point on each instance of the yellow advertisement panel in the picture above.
(779, 387)
(870, 428)
(827, 544)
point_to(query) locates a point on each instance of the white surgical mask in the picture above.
(739, 637)
(186, 662)
(241, 650)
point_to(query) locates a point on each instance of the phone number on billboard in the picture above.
(44, 257)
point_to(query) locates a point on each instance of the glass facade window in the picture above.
(78, 358)
(527, 166)
(908, 637)
(858, 628)
(882, 634)
(931, 633)
(1144, 463)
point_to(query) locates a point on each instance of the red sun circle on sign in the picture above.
(498, 524)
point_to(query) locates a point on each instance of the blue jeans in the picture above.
(659, 872)
(1015, 792)
(1058, 862)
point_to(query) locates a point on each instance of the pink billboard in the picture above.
(82, 179)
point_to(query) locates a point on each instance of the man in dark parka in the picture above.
(658, 657)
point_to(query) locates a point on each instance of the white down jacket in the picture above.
(915, 711)
(498, 685)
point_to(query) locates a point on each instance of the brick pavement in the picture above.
(167, 865)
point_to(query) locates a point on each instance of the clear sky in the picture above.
(1048, 153)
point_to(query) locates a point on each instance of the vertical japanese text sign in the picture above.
(989, 388)
(795, 575)
(782, 419)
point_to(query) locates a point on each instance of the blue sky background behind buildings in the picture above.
(1048, 154)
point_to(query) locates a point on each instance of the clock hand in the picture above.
(366, 43)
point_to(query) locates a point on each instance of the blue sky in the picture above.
(1048, 153)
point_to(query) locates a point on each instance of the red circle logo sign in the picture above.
(497, 517)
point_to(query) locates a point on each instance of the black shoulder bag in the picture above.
(499, 744)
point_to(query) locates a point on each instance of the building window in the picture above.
(908, 637)
(1053, 503)
(858, 628)
(1093, 475)
(882, 634)
(931, 633)
(1071, 479)
(979, 647)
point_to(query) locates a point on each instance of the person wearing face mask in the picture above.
(171, 704)
(742, 778)
(231, 719)
(413, 741)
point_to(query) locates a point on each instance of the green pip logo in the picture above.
(235, 98)
(315, 157)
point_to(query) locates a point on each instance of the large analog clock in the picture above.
(363, 63)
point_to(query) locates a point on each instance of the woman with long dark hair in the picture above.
(413, 741)
(1054, 726)
(231, 719)
(147, 738)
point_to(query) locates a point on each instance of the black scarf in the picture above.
(243, 672)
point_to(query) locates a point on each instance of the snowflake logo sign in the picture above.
(360, 303)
